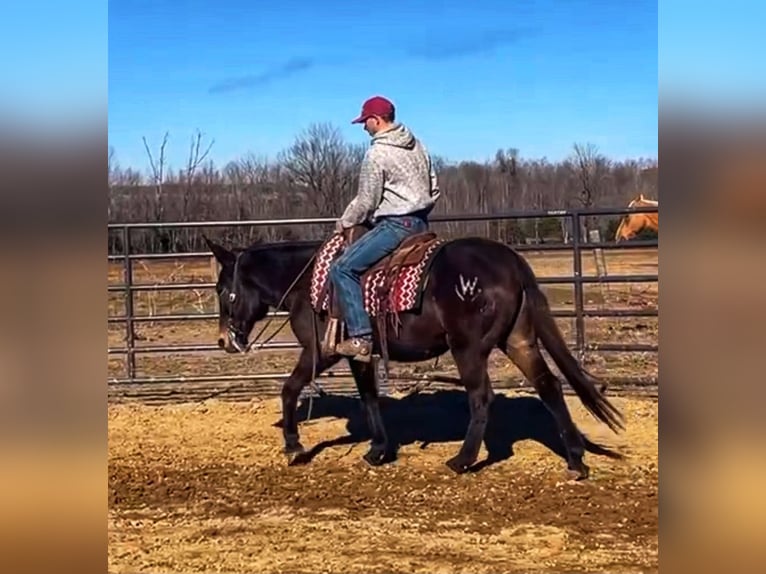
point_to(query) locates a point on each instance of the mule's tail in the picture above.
(583, 383)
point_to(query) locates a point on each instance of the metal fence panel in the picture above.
(577, 279)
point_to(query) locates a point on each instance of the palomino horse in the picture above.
(632, 223)
(479, 295)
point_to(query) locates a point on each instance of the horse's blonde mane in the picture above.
(641, 200)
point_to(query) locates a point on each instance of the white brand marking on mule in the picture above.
(467, 288)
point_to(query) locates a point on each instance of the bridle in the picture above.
(234, 332)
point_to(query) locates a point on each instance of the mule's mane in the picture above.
(274, 267)
(280, 245)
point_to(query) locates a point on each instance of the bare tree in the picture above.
(253, 169)
(157, 173)
(193, 162)
(538, 186)
(592, 169)
(112, 165)
(324, 165)
(506, 161)
(506, 192)
(318, 174)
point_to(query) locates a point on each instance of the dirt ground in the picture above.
(204, 488)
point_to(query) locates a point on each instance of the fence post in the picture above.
(600, 260)
(129, 331)
(579, 306)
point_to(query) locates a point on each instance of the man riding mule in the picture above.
(397, 190)
(477, 295)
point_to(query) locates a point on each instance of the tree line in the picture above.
(316, 176)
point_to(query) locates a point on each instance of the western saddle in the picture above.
(409, 252)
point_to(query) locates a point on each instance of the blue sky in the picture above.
(468, 77)
(54, 61)
(474, 77)
(711, 54)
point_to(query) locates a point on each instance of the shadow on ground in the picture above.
(443, 417)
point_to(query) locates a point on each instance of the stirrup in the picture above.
(330, 340)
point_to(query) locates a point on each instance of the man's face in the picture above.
(372, 125)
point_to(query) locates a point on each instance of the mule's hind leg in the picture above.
(531, 363)
(523, 350)
(364, 375)
(472, 366)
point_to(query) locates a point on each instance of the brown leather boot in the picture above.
(356, 347)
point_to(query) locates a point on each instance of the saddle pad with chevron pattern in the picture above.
(404, 293)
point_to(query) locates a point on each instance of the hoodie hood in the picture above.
(397, 136)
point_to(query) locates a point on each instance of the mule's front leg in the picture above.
(473, 372)
(365, 377)
(293, 447)
(291, 390)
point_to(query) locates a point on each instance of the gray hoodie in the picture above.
(397, 178)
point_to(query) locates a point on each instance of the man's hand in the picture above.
(339, 229)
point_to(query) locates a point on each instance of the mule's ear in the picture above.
(223, 255)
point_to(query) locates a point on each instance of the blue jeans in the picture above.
(360, 256)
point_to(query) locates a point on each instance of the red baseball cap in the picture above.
(375, 106)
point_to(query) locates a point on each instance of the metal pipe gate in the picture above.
(579, 313)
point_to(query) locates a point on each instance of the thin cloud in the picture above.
(284, 70)
(446, 46)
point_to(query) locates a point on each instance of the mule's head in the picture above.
(240, 301)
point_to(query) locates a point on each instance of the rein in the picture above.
(251, 344)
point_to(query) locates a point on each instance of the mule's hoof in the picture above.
(578, 474)
(295, 454)
(374, 456)
(458, 465)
